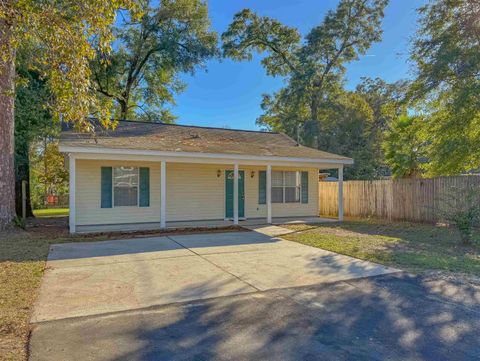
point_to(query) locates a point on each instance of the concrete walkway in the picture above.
(84, 279)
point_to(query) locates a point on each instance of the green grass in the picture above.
(51, 212)
(408, 246)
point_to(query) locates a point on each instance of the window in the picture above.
(277, 187)
(125, 186)
(286, 187)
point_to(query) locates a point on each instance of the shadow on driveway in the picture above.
(385, 317)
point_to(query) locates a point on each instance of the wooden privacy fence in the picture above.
(417, 200)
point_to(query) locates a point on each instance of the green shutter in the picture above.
(106, 184)
(262, 187)
(144, 187)
(304, 187)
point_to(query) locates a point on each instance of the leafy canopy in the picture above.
(67, 32)
(315, 65)
(403, 146)
(446, 91)
(141, 74)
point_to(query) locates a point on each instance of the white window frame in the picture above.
(298, 175)
(113, 187)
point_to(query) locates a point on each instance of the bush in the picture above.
(461, 209)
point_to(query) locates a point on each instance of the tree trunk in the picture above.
(314, 118)
(123, 110)
(22, 174)
(45, 172)
(7, 102)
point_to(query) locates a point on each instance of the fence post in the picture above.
(340, 193)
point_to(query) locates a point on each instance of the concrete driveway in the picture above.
(243, 296)
(84, 279)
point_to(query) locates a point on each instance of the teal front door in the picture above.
(229, 194)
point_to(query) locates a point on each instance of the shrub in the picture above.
(461, 208)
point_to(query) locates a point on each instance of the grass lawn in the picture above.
(22, 263)
(51, 212)
(413, 247)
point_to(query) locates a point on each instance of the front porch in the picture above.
(181, 193)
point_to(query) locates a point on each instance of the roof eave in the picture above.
(239, 157)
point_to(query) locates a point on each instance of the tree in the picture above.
(32, 119)
(404, 146)
(347, 120)
(312, 67)
(65, 31)
(347, 123)
(387, 102)
(446, 90)
(140, 75)
(48, 172)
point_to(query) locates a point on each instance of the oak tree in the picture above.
(141, 74)
(316, 64)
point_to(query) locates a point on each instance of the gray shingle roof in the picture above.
(181, 138)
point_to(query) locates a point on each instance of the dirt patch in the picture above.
(57, 227)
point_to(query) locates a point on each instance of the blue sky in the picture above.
(228, 93)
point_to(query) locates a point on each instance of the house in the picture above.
(155, 175)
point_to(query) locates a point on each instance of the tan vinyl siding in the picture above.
(255, 210)
(88, 192)
(194, 192)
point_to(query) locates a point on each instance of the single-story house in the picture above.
(155, 175)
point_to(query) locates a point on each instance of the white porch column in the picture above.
(235, 194)
(269, 193)
(340, 193)
(163, 195)
(71, 192)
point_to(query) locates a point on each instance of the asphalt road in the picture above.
(386, 317)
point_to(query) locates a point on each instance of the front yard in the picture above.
(418, 248)
(412, 247)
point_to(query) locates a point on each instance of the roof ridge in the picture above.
(192, 126)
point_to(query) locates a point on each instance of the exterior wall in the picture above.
(194, 192)
(88, 195)
(255, 210)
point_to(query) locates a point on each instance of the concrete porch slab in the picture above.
(248, 222)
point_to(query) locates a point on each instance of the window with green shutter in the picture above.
(262, 187)
(144, 198)
(106, 185)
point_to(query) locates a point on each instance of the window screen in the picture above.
(125, 186)
(277, 187)
(292, 187)
(286, 187)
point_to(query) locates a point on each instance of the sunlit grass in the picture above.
(51, 212)
(409, 246)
